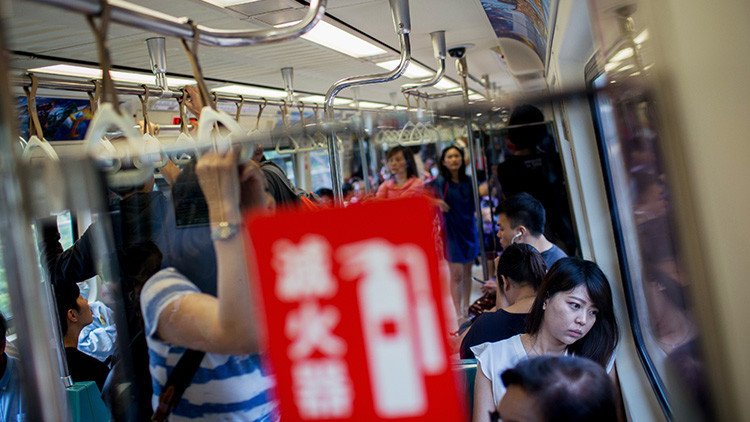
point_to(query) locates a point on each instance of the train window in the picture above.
(655, 283)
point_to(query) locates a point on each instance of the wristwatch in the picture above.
(224, 230)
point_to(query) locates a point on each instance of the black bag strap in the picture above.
(177, 382)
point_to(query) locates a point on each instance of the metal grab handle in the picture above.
(402, 23)
(150, 20)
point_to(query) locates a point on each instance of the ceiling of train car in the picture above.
(40, 32)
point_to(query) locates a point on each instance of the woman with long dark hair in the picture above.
(572, 314)
(404, 179)
(455, 198)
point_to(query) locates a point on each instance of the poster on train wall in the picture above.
(353, 313)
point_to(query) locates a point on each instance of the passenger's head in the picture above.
(72, 309)
(325, 196)
(574, 306)
(3, 332)
(452, 159)
(529, 136)
(520, 264)
(401, 161)
(520, 216)
(557, 388)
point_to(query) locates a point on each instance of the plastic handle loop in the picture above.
(222, 144)
(35, 143)
(185, 142)
(151, 154)
(99, 147)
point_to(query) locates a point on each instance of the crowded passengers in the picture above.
(184, 288)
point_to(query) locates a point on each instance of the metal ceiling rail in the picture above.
(63, 84)
(402, 23)
(150, 20)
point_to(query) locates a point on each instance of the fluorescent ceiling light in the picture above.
(473, 95)
(643, 36)
(368, 104)
(611, 66)
(413, 70)
(319, 99)
(623, 54)
(94, 73)
(447, 85)
(227, 3)
(335, 38)
(251, 91)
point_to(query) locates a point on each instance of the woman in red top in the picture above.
(404, 181)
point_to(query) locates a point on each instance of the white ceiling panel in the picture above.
(46, 30)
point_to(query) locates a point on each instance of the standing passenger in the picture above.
(456, 200)
(230, 382)
(572, 314)
(404, 179)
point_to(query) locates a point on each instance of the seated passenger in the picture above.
(74, 313)
(230, 382)
(404, 180)
(557, 388)
(572, 314)
(521, 220)
(521, 270)
(11, 400)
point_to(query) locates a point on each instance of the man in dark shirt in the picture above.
(521, 220)
(532, 165)
(74, 313)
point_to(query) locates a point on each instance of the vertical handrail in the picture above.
(402, 23)
(463, 73)
(45, 400)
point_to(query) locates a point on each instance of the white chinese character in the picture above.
(311, 328)
(322, 388)
(304, 269)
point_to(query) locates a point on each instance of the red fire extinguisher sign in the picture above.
(353, 313)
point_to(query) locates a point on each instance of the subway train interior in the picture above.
(123, 123)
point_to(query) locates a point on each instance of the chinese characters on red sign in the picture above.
(353, 313)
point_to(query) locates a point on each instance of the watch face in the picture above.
(224, 231)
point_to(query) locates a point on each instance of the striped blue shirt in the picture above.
(225, 387)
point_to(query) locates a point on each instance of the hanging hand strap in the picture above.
(109, 93)
(260, 113)
(144, 110)
(192, 53)
(35, 127)
(95, 96)
(408, 102)
(183, 112)
(240, 103)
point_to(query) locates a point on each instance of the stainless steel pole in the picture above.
(402, 22)
(45, 400)
(463, 72)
